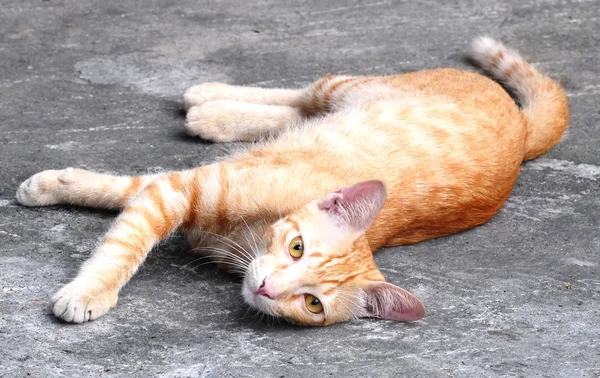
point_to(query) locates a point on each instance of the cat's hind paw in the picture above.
(213, 121)
(77, 303)
(205, 92)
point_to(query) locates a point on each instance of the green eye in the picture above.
(313, 304)
(296, 247)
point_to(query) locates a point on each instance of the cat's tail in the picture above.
(542, 100)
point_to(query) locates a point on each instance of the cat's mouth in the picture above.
(252, 297)
(256, 292)
(251, 289)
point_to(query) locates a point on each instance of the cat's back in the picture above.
(418, 113)
(442, 124)
(462, 87)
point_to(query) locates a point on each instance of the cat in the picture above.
(343, 167)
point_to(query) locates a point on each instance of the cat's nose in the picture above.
(266, 289)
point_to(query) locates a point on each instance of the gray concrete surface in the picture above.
(96, 84)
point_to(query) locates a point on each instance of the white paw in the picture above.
(44, 188)
(200, 94)
(212, 121)
(78, 302)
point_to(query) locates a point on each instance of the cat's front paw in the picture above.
(44, 188)
(79, 302)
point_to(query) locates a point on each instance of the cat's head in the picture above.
(318, 268)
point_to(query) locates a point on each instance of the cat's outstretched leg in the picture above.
(228, 121)
(315, 98)
(80, 187)
(226, 113)
(206, 92)
(161, 208)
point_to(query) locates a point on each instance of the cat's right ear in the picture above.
(354, 207)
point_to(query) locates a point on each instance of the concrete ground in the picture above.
(97, 84)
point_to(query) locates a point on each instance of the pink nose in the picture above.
(266, 289)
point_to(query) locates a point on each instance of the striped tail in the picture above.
(543, 101)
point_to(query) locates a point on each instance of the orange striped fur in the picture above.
(417, 156)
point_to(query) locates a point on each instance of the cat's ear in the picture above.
(354, 207)
(386, 301)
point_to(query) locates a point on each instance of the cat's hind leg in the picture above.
(206, 92)
(80, 187)
(229, 120)
(225, 113)
(317, 97)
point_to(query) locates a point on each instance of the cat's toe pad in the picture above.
(77, 303)
(44, 188)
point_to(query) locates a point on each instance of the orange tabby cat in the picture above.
(416, 156)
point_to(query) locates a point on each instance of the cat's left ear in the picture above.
(386, 301)
(355, 207)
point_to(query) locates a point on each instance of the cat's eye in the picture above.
(313, 304)
(296, 247)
